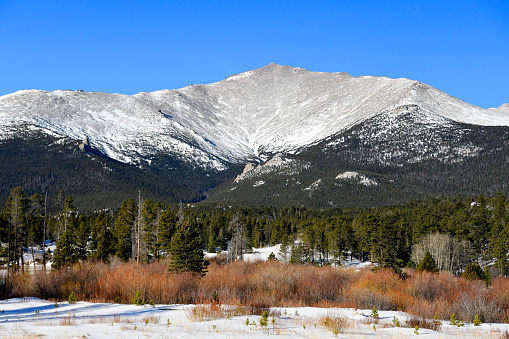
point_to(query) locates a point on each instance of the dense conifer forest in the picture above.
(456, 231)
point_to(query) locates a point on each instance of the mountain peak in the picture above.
(268, 110)
(504, 107)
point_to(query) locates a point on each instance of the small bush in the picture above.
(264, 319)
(138, 300)
(477, 321)
(333, 323)
(454, 320)
(72, 298)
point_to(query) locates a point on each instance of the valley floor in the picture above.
(33, 317)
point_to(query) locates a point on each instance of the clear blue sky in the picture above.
(459, 47)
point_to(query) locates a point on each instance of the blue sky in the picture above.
(459, 47)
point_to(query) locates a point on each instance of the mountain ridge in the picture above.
(239, 119)
(295, 132)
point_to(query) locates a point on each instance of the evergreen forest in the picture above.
(457, 231)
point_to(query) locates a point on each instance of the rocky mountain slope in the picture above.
(363, 123)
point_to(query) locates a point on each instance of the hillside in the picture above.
(399, 135)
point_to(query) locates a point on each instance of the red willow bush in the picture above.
(261, 285)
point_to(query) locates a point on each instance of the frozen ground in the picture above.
(263, 253)
(32, 317)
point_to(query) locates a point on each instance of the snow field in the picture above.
(33, 317)
(268, 110)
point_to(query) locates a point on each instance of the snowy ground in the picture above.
(263, 253)
(32, 317)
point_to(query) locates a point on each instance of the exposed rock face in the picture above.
(275, 163)
(249, 167)
(85, 145)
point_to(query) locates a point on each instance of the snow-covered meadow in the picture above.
(32, 317)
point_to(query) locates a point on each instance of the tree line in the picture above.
(456, 231)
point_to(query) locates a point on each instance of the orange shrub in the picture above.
(256, 286)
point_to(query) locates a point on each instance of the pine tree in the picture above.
(65, 251)
(427, 264)
(124, 227)
(298, 253)
(150, 215)
(186, 251)
(474, 271)
(102, 238)
(165, 228)
(500, 250)
(82, 238)
(35, 221)
(96, 231)
(14, 212)
(284, 250)
(68, 215)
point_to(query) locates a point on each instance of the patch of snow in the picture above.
(361, 179)
(258, 183)
(347, 175)
(314, 185)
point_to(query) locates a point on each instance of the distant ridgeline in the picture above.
(313, 139)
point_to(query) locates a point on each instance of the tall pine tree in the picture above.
(124, 227)
(186, 251)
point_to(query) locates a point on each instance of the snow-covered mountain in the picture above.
(277, 120)
(242, 118)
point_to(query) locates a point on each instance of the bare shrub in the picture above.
(422, 322)
(201, 313)
(380, 289)
(498, 292)
(333, 323)
(469, 305)
(99, 320)
(427, 309)
(117, 319)
(251, 288)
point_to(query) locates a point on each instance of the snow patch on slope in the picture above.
(359, 178)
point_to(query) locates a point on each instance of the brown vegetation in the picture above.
(256, 286)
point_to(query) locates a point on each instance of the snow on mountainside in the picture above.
(243, 118)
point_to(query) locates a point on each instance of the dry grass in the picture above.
(205, 313)
(116, 319)
(258, 286)
(151, 319)
(504, 335)
(424, 323)
(333, 323)
(68, 321)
